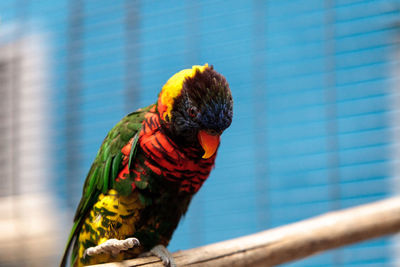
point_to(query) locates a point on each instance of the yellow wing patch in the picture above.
(173, 87)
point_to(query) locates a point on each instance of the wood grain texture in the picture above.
(291, 242)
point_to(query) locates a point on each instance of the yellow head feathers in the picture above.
(173, 88)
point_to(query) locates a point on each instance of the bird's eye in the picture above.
(212, 132)
(192, 112)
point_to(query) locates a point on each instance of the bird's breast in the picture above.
(166, 159)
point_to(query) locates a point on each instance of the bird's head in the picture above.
(195, 107)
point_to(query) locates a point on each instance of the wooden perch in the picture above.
(293, 241)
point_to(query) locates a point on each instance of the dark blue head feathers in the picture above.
(205, 103)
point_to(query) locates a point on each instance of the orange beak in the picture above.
(209, 142)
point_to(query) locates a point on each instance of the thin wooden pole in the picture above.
(291, 242)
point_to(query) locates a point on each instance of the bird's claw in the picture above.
(165, 256)
(112, 246)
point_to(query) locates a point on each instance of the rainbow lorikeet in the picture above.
(148, 169)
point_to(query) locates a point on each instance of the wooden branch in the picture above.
(291, 242)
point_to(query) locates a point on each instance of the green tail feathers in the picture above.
(71, 238)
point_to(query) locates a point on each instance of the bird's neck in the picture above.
(166, 159)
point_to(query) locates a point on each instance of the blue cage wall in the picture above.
(311, 84)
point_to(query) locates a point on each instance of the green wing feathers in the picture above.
(105, 168)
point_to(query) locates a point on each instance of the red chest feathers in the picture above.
(166, 159)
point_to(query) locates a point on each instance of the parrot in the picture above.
(147, 170)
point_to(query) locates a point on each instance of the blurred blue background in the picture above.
(315, 113)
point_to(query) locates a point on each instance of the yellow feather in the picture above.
(173, 86)
(110, 208)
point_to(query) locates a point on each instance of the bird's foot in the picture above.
(163, 253)
(112, 246)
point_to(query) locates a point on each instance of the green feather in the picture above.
(132, 153)
(126, 135)
(114, 134)
(105, 168)
(116, 165)
(106, 175)
(106, 154)
(133, 126)
(92, 181)
(100, 180)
